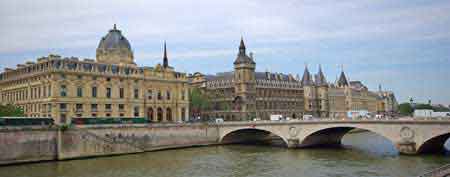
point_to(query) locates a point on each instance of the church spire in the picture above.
(165, 60)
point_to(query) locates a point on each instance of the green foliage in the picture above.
(11, 111)
(423, 106)
(441, 109)
(405, 109)
(198, 101)
(64, 127)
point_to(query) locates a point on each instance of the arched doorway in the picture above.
(169, 114)
(159, 114)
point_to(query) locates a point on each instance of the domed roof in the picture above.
(114, 48)
(113, 40)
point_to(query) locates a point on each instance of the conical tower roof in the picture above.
(321, 80)
(307, 80)
(342, 80)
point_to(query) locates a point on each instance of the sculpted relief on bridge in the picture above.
(407, 136)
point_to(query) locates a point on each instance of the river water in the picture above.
(358, 159)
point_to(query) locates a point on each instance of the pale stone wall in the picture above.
(27, 144)
(101, 141)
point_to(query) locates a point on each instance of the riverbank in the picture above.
(35, 144)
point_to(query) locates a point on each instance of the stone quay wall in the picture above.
(19, 145)
(27, 144)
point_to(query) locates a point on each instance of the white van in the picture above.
(219, 120)
(307, 117)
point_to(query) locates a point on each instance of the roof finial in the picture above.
(165, 60)
(114, 27)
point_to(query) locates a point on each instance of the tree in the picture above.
(199, 101)
(405, 109)
(423, 106)
(10, 110)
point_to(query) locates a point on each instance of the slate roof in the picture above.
(114, 40)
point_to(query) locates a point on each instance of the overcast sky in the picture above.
(404, 45)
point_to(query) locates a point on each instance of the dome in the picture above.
(114, 48)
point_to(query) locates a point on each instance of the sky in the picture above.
(404, 45)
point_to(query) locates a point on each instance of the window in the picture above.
(49, 91)
(121, 107)
(159, 95)
(183, 95)
(108, 92)
(149, 94)
(63, 91)
(94, 78)
(108, 115)
(108, 79)
(94, 92)
(136, 111)
(168, 95)
(79, 107)
(121, 115)
(94, 107)
(136, 93)
(108, 107)
(80, 77)
(121, 92)
(94, 115)
(80, 91)
(63, 107)
(63, 76)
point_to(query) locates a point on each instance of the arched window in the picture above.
(160, 114)
(150, 114)
(169, 114)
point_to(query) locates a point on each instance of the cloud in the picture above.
(364, 35)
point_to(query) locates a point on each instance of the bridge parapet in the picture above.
(408, 136)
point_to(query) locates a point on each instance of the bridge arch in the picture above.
(249, 134)
(331, 136)
(434, 144)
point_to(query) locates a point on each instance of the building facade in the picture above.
(336, 100)
(110, 86)
(244, 94)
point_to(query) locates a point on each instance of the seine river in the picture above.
(358, 159)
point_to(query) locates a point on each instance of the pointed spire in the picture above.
(321, 80)
(114, 27)
(165, 59)
(242, 45)
(342, 79)
(306, 80)
(242, 56)
(379, 88)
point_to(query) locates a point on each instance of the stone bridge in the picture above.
(408, 136)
